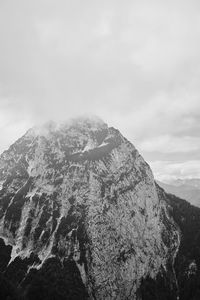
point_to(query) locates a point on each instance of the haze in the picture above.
(136, 64)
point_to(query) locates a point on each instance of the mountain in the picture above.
(188, 189)
(187, 262)
(82, 218)
(193, 182)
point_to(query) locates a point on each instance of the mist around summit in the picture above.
(135, 65)
(99, 150)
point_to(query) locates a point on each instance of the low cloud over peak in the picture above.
(135, 64)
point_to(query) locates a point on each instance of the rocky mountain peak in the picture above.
(91, 122)
(80, 193)
(82, 123)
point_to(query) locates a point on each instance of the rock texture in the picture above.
(81, 216)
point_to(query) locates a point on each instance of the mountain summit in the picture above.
(82, 218)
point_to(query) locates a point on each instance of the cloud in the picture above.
(136, 64)
(171, 144)
(166, 170)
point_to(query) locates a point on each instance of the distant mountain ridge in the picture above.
(193, 182)
(188, 189)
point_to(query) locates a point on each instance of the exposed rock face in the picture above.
(79, 198)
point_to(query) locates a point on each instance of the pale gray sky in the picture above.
(135, 63)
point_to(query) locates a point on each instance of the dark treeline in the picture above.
(54, 281)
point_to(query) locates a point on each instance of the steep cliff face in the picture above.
(187, 263)
(77, 200)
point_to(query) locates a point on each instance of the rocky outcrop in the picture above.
(78, 200)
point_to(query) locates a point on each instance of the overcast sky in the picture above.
(136, 64)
